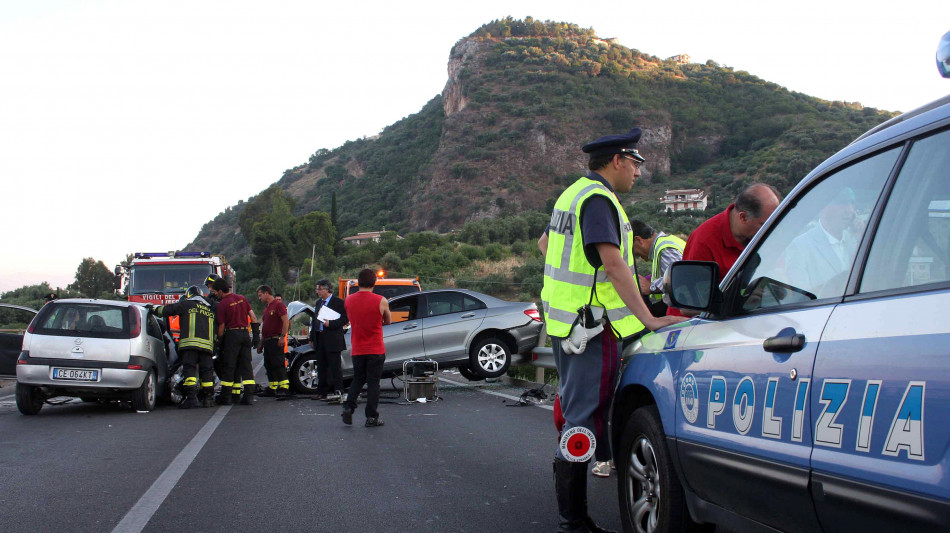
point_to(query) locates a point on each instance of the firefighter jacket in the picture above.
(569, 279)
(196, 322)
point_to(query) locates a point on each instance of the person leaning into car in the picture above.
(232, 319)
(589, 230)
(196, 345)
(326, 337)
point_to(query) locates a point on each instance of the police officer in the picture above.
(591, 300)
(662, 250)
(234, 313)
(196, 344)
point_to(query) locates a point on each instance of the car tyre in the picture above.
(651, 497)
(29, 399)
(143, 398)
(490, 357)
(469, 374)
(303, 375)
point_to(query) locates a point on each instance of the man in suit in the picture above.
(819, 259)
(326, 338)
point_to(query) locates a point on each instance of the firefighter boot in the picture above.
(207, 396)
(191, 398)
(246, 397)
(224, 396)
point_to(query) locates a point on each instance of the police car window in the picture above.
(912, 243)
(809, 253)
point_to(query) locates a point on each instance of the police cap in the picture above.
(625, 143)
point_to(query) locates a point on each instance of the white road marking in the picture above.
(493, 393)
(137, 518)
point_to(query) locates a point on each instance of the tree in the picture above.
(93, 278)
(314, 233)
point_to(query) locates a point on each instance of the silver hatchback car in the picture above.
(92, 349)
(477, 333)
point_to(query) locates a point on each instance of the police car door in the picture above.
(881, 393)
(746, 443)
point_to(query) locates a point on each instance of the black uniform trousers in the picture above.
(235, 360)
(329, 369)
(274, 363)
(367, 369)
(197, 364)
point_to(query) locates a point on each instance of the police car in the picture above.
(813, 392)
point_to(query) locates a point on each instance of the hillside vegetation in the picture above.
(470, 179)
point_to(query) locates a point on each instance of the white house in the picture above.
(682, 199)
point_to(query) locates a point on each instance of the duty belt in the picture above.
(234, 329)
(271, 338)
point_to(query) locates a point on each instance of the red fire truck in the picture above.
(161, 278)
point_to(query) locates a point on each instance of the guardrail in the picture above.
(541, 357)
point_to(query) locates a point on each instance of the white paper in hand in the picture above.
(327, 314)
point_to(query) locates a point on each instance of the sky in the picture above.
(127, 125)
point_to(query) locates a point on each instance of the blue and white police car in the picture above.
(812, 393)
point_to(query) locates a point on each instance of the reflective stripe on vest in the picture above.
(568, 275)
(660, 244)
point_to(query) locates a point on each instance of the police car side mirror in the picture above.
(692, 284)
(943, 55)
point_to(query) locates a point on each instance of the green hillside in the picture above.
(504, 139)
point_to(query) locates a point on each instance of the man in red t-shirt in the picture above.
(232, 316)
(368, 313)
(723, 237)
(274, 326)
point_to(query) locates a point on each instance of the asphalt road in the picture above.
(469, 462)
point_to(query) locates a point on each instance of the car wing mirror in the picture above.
(943, 55)
(692, 285)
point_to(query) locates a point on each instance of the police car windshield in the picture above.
(167, 279)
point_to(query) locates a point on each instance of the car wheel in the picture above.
(29, 399)
(469, 374)
(303, 375)
(143, 398)
(490, 358)
(651, 497)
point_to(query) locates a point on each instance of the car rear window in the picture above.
(83, 320)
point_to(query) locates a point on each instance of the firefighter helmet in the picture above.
(211, 279)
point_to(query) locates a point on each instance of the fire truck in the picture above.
(161, 278)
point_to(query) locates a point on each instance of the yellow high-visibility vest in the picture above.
(568, 276)
(662, 243)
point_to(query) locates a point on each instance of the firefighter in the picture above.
(195, 345)
(235, 356)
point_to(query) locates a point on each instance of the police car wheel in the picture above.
(490, 357)
(651, 497)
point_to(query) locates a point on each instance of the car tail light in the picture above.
(135, 367)
(135, 322)
(533, 314)
(24, 358)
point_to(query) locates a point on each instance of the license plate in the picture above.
(75, 374)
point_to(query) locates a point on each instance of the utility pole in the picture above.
(313, 254)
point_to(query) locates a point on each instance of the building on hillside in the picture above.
(682, 199)
(365, 238)
(681, 59)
